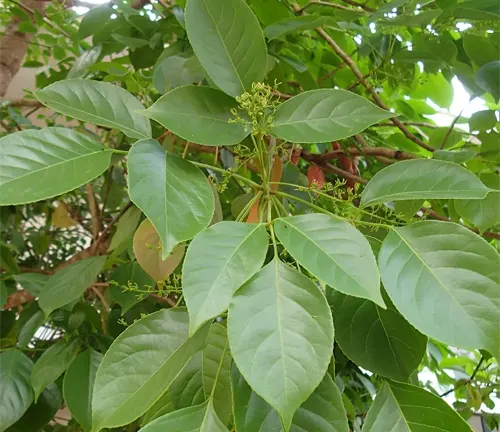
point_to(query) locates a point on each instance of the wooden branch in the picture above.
(450, 129)
(94, 211)
(368, 151)
(21, 103)
(350, 62)
(408, 123)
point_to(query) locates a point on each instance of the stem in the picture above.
(123, 152)
(222, 170)
(243, 214)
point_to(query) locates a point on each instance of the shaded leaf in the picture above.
(296, 24)
(125, 275)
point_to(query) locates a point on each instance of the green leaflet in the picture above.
(422, 179)
(209, 279)
(377, 339)
(406, 408)
(100, 103)
(333, 251)
(325, 115)
(16, 393)
(174, 194)
(78, 385)
(232, 54)
(283, 348)
(120, 396)
(296, 24)
(69, 283)
(40, 164)
(52, 364)
(435, 270)
(199, 114)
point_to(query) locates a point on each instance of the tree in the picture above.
(239, 216)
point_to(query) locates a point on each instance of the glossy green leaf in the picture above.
(125, 275)
(444, 280)
(325, 115)
(281, 336)
(94, 20)
(233, 55)
(482, 120)
(323, 411)
(148, 252)
(140, 365)
(408, 208)
(296, 24)
(199, 114)
(377, 339)
(187, 389)
(422, 179)
(96, 102)
(209, 279)
(216, 367)
(483, 213)
(174, 194)
(16, 393)
(69, 283)
(406, 408)
(162, 406)
(40, 164)
(125, 227)
(199, 418)
(488, 78)
(78, 385)
(39, 414)
(84, 62)
(52, 364)
(333, 251)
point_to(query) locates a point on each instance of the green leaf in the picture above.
(479, 49)
(200, 115)
(187, 389)
(52, 364)
(125, 228)
(488, 78)
(140, 365)
(69, 283)
(228, 41)
(41, 413)
(377, 339)
(32, 282)
(408, 208)
(422, 179)
(296, 24)
(435, 87)
(174, 194)
(29, 329)
(483, 213)
(406, 408)
(84, 62)
(4, 293)
(281, 336)
(123, 275)
(443, 279)
(101, 103)
(477, 10)
(175, 70)
(130, 42)
(323, 411)
(16, 393)
(216, 366)
(163, 406)
(148, 251)
(325, 115)
(333, 251)
(482, 120)
(94, 20)
(200, 418)
(78, 385)
(457, 157)
(209, 279)
(40, 164)
(439, 135)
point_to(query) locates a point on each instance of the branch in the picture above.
(462, 383)
(350, 62)
(360, 5)
(450, 129)
(332, 5)
(368, 151)
(409, 123)
(21, 103)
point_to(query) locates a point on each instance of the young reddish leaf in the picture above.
(276, 172)
(315, 175)
(253, 216)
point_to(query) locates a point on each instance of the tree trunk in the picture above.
(13, 47)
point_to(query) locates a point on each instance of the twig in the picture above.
(94, 211)
(462, 383)
(162, 299)
(283, 96)
(409, 123)
(101, 297)
(360, 5)
(450, 129)
(20, 103)
(317, 159)
(332, 5)
(368, 151)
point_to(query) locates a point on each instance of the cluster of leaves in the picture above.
(248, 261)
